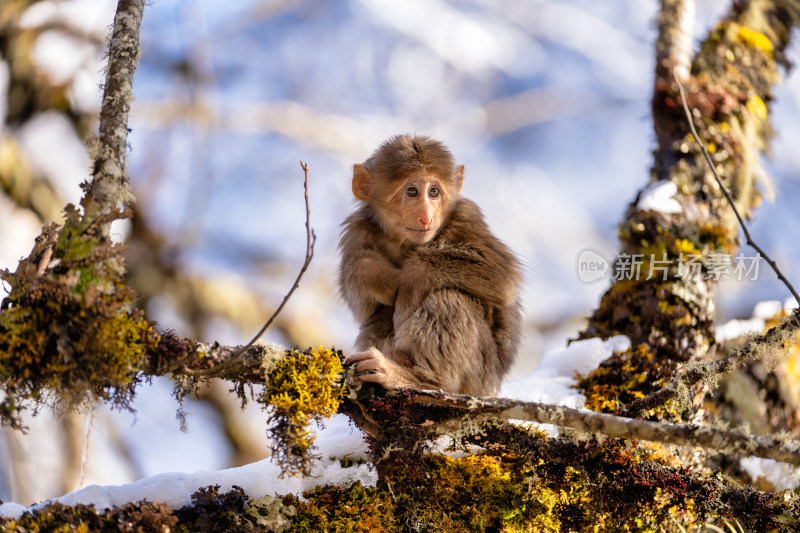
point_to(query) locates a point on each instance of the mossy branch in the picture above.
(748, 238)
(710, 371)
(179, 356)
(255, 362)
(68, 329)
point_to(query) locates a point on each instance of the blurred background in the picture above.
(546, 102)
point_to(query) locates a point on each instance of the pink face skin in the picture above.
(421, 204)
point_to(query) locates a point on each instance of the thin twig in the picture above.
(311, 239)
(747, 236)
(701, 371)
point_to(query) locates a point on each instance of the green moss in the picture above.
(68, 330)
(353, 509)
(210, 512)
(470, 494)
(348, 462)
(302, 387)
(528, 483)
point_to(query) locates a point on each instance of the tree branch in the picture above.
(480, 409)
(713, 168)
(109, 186)
(673, 45)
(180, 356)
(710, 370)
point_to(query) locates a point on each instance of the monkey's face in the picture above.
(422, 203)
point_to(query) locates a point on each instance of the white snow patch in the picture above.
(660, 196)
(735, 328)
(782, 476)
(12, 510)
(339, 439)
(91, 16)
(55, 150)
(762, 312)
(552, 381)
(4, 79)
(49, 55)
(85, 93)
(768, 309)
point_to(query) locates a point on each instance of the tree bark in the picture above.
(667, 310)
(110, 187)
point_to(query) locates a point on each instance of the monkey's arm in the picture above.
(445, 344)
(368, 281)
(492, 278)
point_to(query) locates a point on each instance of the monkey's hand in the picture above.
(372, 365)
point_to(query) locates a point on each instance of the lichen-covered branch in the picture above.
(584, 421)
(298, 386)
(109, 186)
(180, 356)
(670, 256)
(673, 45)
(68, 330)
(711, 371)
(625, 478)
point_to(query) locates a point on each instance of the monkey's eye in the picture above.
(434, 192)
(412, 192)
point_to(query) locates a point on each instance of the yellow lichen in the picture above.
(756, 107)
(686, 247)
(753, 39)
(624, 377)
(302, 387)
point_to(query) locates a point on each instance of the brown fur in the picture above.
(441, 314)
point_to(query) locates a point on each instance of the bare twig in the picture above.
(480, 409)
(311, 239)
(747, 236)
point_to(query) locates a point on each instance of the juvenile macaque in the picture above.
(435, 292)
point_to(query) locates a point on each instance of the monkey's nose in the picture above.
(425, 222)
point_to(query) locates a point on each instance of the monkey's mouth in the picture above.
(420, 235)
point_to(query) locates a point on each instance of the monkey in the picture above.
(436, 294)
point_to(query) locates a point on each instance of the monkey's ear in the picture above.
(459, 178)
(362, 179)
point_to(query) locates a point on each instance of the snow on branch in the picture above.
(675, 38)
